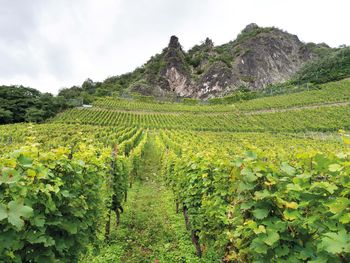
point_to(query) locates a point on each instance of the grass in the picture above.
(150, 229)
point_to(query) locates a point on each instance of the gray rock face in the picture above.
(174, 42)
(258, 57)
(174, 76)
(215, 81)
(249, 28)
(265, 58)
(270, 57)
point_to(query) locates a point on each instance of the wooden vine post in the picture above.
(112, 171)
(194, 235)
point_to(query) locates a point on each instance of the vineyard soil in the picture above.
(150, 229)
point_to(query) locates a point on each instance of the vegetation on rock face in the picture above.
(250, 31)
(320, 50)
(199, 72)
(201, 68)
(330, 67)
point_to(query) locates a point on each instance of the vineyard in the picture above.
(265, 180)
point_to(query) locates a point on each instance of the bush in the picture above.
(332, 67)
(189, 101)
(239, 95)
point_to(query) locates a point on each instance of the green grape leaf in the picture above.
(251, 155)
(40, 237)
(282, 251)
(334, 167)
(262, 194)
(249, 176)
(39, 220)
(318, 260)
(238, 162)
(247, 205)
(260, 229)
(25, 161)
(244, 187)
(338, 205)
(336, 242)
(3, 212)
(324, 185)
(272, 237)
(290, 215)
(36, 238)
(258, 246)
(288, 169)
(9, 176)
(65, 193)
(260, 213)
(345, 218)
(17, 211)
(70, 227)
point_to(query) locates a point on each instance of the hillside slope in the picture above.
(258, 57)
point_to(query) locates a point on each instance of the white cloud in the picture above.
(53, 44)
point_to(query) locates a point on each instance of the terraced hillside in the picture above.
(330, 93)
(265, 180)
(298, 112)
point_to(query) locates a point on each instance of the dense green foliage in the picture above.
(19, 104)
(265, 206)
(51, 204)
(321, 50)
(150, 229)
(56, 193)
(333, 92)
(331, 67)
(314, 119)
(241, 94)
(327, 64)
(89, 90)
(256, 181)
(190, 105)
(193, 64)
(242, 100)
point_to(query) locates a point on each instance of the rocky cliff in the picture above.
(257, 57)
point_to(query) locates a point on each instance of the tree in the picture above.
(89, 86)
(5, 116)
(19, 104)
(34, 115)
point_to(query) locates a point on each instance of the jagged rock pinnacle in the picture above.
(259, 57)
(174, 42)
(250, 27)
(209, 42)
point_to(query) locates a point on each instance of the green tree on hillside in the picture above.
(34, 115)
(5, 116)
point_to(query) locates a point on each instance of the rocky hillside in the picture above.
(259, 56)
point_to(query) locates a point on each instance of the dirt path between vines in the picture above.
(150, 230)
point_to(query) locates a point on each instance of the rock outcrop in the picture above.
(258, 57)
(175, 75)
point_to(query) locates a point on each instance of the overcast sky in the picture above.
(50, 44)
